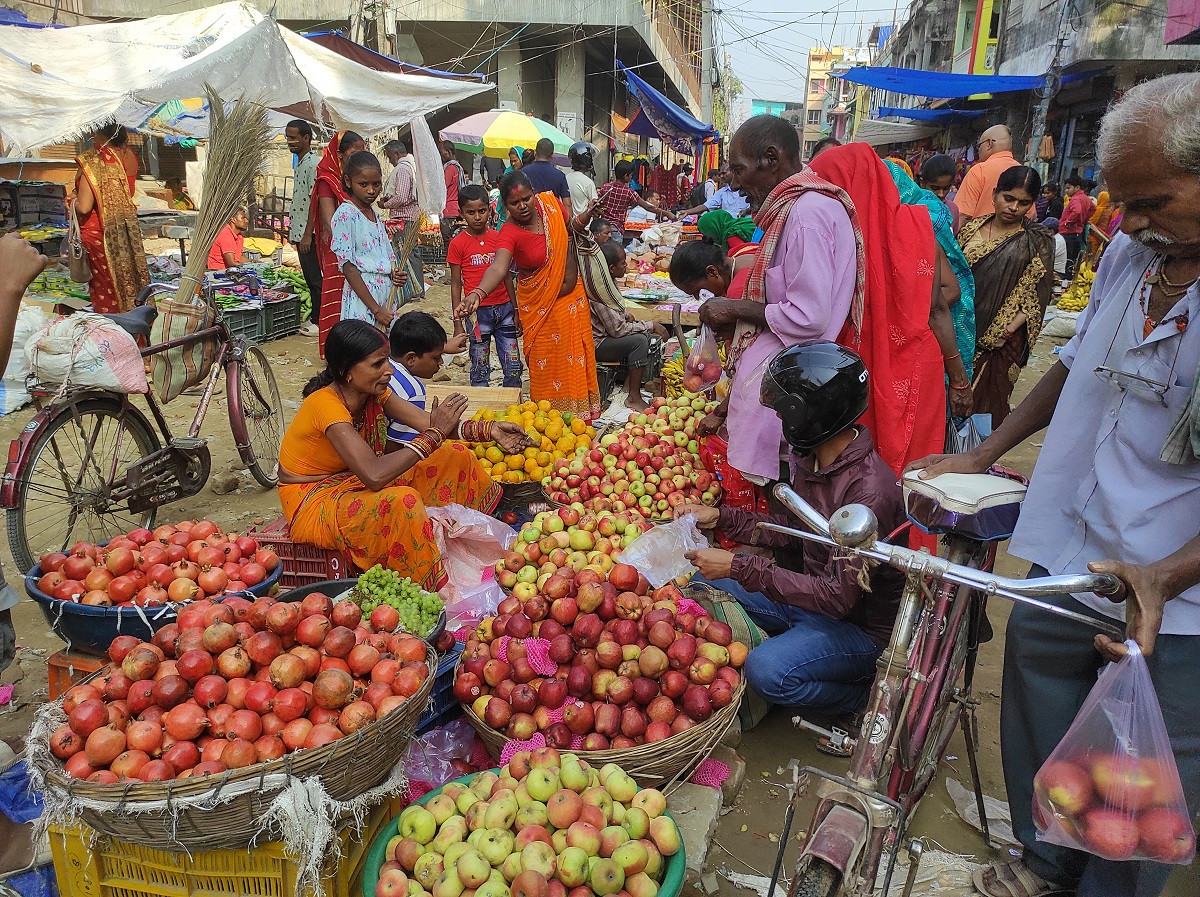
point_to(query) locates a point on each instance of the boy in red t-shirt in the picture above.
(469, 255)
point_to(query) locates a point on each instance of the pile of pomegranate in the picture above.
(629, 667)
(235, 683)
(189, 561)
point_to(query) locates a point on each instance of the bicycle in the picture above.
(90, 466)
(922, 690)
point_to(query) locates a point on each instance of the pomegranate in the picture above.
(233, 662)
(311, 658)
(180, 590)
(210, 691)
(182, 755)
(169, 691)
(259, 698)
(203, 529)
(283, 618)
(237, 691)
(122, 589)
(142, 735)
(97, 578)
(322, 735)
(339, 642)
(239, 754)
(77, 766)
(263, 648)
(332, 689)
(185, 722)
(219, 636)
(346, 613)
(355, 716)
(267, 559)
(118, 714)
(69, 590)
(150, 596)
(185, 569)
(50, 582)
(295, 733)
(117, 686)
(141, 695)
(287, 671)
(156, 771)
(104, 745)
(244, 724)
(290, 704)
(362, 659)
(218, 719)
(88, 717)
(53, 562)
(140, 664)
(77, 568)
(209, 768)
(65, 743)
(103, 777)
(194, 665)
(77, 694)
(311, 631)
(213, 581)
(317, 604)
(253, 573)
(269, 747)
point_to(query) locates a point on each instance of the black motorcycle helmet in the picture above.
(582, 156)
(818, 390)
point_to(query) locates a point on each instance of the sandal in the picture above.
(1014, 879)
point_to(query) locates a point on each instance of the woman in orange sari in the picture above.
(338, 487)
(552, 306)
(108, 221)
(328, 193)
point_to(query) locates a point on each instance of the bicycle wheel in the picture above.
(817, 879)
(63, 494)
(256, 416)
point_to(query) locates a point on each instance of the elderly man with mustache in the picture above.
(1116, 488)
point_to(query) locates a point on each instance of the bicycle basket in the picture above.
(181, 368)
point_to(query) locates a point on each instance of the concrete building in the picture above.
(553, 60)
(822, 94)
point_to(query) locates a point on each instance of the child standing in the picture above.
(361, 244)
(469, 255)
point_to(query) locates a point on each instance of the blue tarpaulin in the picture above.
(640, 126)
(916, 82)
(937, 116)
(673, 123)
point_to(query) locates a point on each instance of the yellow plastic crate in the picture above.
(109, 868)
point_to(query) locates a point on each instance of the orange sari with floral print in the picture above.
(388, 527)
(111, 234)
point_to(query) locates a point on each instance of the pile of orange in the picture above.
(558, 436)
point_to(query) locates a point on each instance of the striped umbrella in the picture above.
(495, 133)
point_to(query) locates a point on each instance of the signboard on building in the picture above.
(568, 123)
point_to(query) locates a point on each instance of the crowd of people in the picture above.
(863, 310)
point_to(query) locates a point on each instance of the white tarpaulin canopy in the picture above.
(881, 133)
(56, 83)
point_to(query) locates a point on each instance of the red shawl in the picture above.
(907, 412)
(329, 172)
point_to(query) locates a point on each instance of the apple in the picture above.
(1067, 787)
(1111, 834)
(1166, 835)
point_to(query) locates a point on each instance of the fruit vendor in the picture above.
(1116, 489)
(340, 490)
(826, 627)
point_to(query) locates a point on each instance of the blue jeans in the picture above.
(498, 322)
(810, 661)
(1050, 667)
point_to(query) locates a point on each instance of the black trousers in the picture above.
(310, 264)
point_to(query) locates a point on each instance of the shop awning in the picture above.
(881, 133)
(343, 46)
(936, 116)
(640, 126)
(916, 82)
(673, 123)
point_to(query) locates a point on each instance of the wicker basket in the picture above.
(662, 764)
(346, 768)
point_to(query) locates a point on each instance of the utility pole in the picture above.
(1051, 86)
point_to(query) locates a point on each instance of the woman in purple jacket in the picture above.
(826, 630)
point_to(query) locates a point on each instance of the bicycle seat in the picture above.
(981, 506)
(136, 322)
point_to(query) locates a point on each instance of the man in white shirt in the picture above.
(580, 178)
(724, 197)
(1116, 488)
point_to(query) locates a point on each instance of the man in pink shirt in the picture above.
(974, 197)
(809, 285)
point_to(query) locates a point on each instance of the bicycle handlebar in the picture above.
(854, 529)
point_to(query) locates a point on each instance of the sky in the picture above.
(768, 40)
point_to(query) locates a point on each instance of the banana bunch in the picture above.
(1076, 296)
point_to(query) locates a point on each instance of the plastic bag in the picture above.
(965, 435)
(703, 365)
(659, 554)
(431, 758)
(87, 349)
(469, 542)
(736, 491)
(1111, 787)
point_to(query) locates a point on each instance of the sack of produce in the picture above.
(86, 349)
(1111, 786)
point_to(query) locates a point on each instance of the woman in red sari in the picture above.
(108, 221)
(328, 194)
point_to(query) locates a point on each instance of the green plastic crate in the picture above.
(248, 323)
(281, 318)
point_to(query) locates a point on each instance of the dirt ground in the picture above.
(747, 838)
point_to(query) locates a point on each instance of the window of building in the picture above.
(809, 145)
(814, 85)
(814, 116)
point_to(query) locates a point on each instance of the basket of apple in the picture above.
(570, 539)
(135, 583)
(598, 664)
(544, 825)
(650, 466)
(224, 709)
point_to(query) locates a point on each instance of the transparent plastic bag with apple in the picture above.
(659, 554)
(1111, 787)
(470, 542)
(703, 366)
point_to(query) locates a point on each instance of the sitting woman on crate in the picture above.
(338, 487)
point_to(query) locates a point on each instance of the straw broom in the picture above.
(411, 232)
(237, 145)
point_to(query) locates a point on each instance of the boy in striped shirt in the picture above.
(418, 343)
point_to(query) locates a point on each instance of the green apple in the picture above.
(606, 878)
(442, 807)
(473, 870)
(542, 782)
(476, 815)
(600, 798)
(453, 831)
(665, 835)
(621, 786)
(631, 857)
(453, 852)
(482, 785)
(500, 813)
(448, 885)
(428, 869)
(641, 885)
(637, 822)
(572, 774)
(495, 845)
(612, 837)
(417, 823)
(531, 814)
(573, 867)
(651, 800)
(539, 857)
(511, 867)
(465, 800)
(493, 888)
